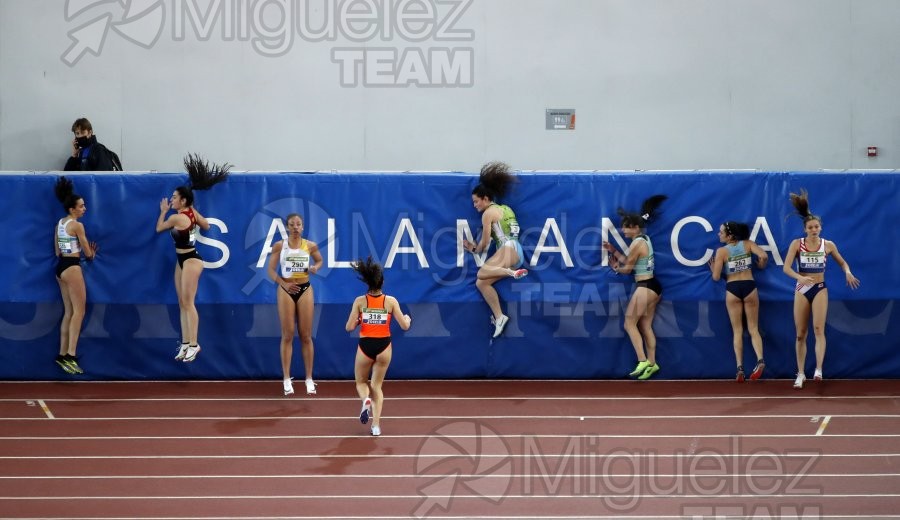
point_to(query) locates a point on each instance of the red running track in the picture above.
(451, 449)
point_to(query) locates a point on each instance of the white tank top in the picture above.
(295, 262)
(67, 243)
(811, 261)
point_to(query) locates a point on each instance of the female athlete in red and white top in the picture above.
(810, 292)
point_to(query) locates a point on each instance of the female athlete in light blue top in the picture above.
(642, 305)
(499, 222)
(741, 296)
(810, 291)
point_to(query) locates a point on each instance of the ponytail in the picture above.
(648, 211)
(494, 181)
(370, 273)
(65, 192)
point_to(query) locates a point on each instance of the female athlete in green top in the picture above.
(500, 224)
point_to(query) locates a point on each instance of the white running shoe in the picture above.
(798, 383)
(376, 430)
(310, 387)
(181, 352)
(190, 354)
(818, 375)
(499, 324)
(366, 410)
(288, 387)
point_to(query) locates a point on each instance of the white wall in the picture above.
(657, 84)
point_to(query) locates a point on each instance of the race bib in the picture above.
(812, 261)
(514, 229)
(739, 263)
(66, 246)
(296, 265)
(374, 316)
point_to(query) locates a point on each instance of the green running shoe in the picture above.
(649, 371)
(639, 369)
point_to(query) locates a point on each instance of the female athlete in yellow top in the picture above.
(290, 264)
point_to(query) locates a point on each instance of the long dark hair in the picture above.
(648, 211)
(737, 230)
(801, 204)
(370, 273)
(201, 175)
(494, 181)
(65, 192)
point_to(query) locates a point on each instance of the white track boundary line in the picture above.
(445, 436)
(788, 454)
(629, 382)
(430, 517)
(455, 497)
(426, 476)
(448, 418)
(457, 398)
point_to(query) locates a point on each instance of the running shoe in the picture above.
(376, 430)
(499, 324)
(639, 369)
(366, 410)
(649, 371)
(288, 387)
(740, 375)
(798, 383)
(310, 387)
(72, 361)
(520, 273)
(817, 376)
(182, 350)
(758, 371)
(191, 353)
(63, 364)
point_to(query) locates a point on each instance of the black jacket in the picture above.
(99, 159)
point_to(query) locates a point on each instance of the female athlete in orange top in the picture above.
(372, 312)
